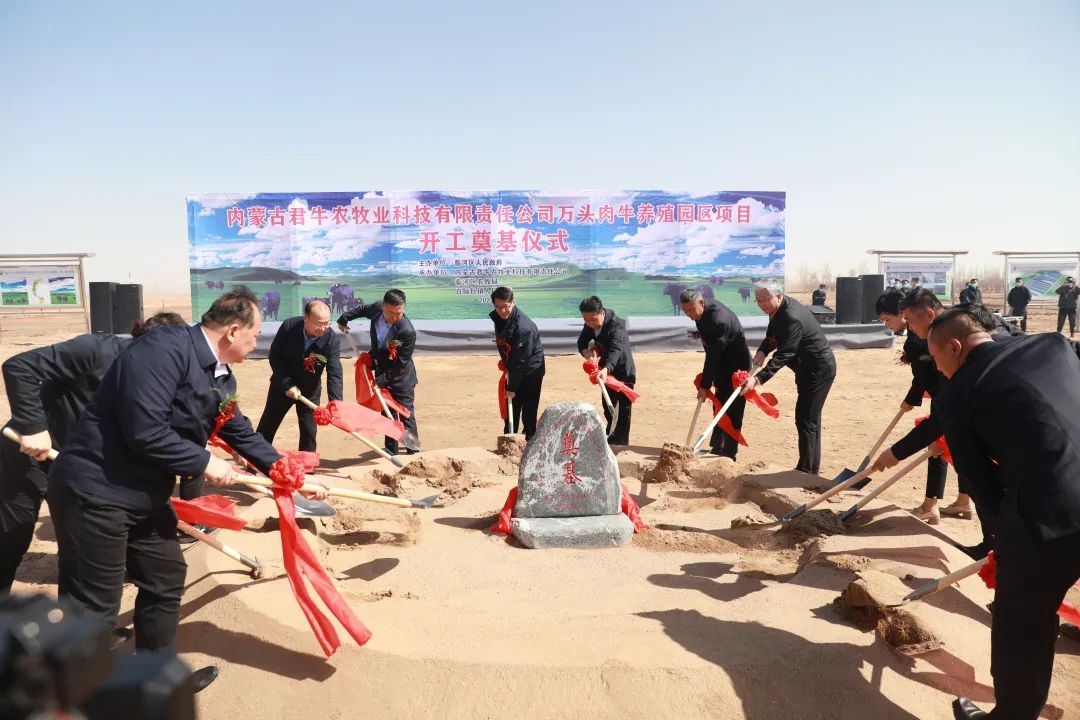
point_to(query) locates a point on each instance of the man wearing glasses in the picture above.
(302, 348)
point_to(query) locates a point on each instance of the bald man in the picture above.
(302, 349)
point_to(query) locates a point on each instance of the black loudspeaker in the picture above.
(872, 288)
(102, 297)
(127, 307)
(849, 300)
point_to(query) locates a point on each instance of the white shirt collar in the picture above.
(221, 368)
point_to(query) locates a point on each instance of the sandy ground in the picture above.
(692, 620)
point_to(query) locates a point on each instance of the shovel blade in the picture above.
(847, 474)
(312, 508)
(425, 502)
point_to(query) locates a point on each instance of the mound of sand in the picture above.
(673, 465)
(719, 473)
(866, 601)
(510, 447)
(812, 524)
(658, 540)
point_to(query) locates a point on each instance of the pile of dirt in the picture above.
(812, 524)
(673, 465)
(866, 601)
(751, 520)
(658, 540)
(450, 478)
(719, 473)
(510, 447)
(358, 524)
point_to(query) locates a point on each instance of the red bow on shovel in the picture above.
(367, 392)
(592, 369)
(765, 400)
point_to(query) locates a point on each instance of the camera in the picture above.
(56, 662)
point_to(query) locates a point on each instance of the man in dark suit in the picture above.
(1067, 297)
(819, 296)
(971, 294)
(1010, 414)
(604, 336)
(148, 423)
(800, 345)
(1019, 299)
(518, 342)
(48, 388)
(721, 335)
(393, 340)
(302, 348)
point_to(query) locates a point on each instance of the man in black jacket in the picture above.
(819, 296)
(1067, 295)
(604, 335)
(971, 294)
(920, 309)
(518, 341)
(302, 348)
(1010, 414)
(800, 345)
(1019, 299)
(393, 341)
(721, 334)
(148, 423)
(924, 381)
(48, 388)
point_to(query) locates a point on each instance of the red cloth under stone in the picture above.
(628, 505)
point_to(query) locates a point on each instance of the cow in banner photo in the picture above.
(673, 290)
(270, 304)
(341, 295)
(706, 292)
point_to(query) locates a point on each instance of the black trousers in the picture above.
(620, 434)
(98, 540)
(526, 403)
(1022, 314)
(722, 443)
(278, 406)
(1067, 313)
(22, 488)
(407, 398)
(813, 387)
(936, 471)
(1030, 586)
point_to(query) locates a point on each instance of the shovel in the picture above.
(304, 506)
(723, 409)
(847, 473)
(693, 423)
(423, 503)
(252, 564)
(847, 514)
(941, 583)
(606, 398)
(509, 414)
(409, 440)
(382, 453)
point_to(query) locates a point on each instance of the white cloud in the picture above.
(209, 202)
(763, 251)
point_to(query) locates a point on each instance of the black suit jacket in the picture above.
(48, 388)
(725, 345)
(971, 295)
(287, 361)
(399, 374)
(1017, 402)
(924, 372)
(150, 421)
(614, 341)
(799, 342)
(1019, 297)
(518, 341)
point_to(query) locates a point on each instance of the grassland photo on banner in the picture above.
(447, 250)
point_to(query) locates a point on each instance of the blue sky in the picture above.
(920, 124)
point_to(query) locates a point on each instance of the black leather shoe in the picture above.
(962, 709)
(1070, 631)
(976, 552)
(120, 635)
(202, 678)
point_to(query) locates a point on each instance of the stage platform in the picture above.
(647, 334)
